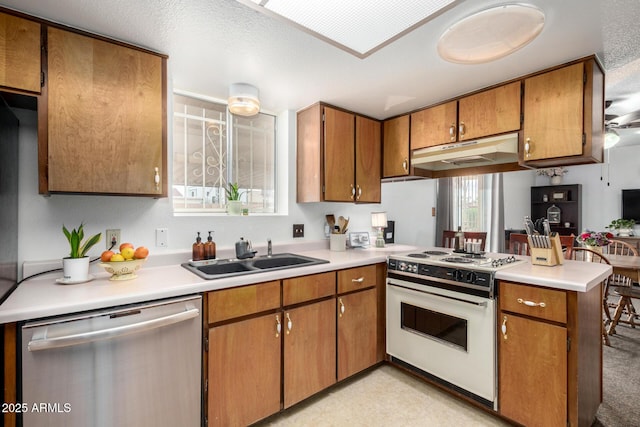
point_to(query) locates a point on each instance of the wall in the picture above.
(408, 203)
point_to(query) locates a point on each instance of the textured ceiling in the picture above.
(213, 43)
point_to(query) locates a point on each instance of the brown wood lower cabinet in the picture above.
(549, 355)
(357, 332)
(244, 371)
(309, 350)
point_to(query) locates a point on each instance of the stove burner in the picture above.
(478, 256)
(458, 259)
(423, 255)
(436, 253)
(502, 261)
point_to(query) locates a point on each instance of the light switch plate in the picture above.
(359, 239)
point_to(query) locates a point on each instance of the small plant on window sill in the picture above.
(233, 193)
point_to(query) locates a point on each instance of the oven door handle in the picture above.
(479, 304)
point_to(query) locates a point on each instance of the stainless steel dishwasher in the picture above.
(138, 365)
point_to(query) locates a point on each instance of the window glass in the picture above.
(213, 148)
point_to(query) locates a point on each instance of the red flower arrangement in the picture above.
(595, 238)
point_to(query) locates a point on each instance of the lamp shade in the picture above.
(378, 219)
(244, 99)
(611, 138)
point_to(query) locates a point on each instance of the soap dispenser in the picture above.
(210, 248)
(198, 249)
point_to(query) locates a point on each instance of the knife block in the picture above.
(547, 256)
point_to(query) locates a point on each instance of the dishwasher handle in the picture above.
(103, 334)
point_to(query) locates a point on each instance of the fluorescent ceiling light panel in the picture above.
(359, 27)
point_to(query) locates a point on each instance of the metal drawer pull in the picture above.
(359, 280)
(278, 326)
(504, 327)
(289, 323)
(531, 303)
(341, 307)
(111, 333)
(405, 164)
(156, 178)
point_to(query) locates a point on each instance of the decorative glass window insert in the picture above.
(213, 148)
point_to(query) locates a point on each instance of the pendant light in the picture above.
(243, 99)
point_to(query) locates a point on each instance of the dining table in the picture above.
(625, 265)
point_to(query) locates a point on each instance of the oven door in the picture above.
(448, 335)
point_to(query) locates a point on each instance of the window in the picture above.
(469, 202)
(212, 148)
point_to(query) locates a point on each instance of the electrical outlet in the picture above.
(112, 238)
(162, 237)
(298, 230)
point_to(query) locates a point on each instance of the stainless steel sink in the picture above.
(216, 269)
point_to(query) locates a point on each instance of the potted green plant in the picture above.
(75, 267)
(623, 227)
(234, 204)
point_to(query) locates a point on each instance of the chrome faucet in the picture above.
(269, 248)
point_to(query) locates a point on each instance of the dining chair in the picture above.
(619, 247)
(448, 238)
(567, 243)
(588, 255)
(518, 244)
(626, 291)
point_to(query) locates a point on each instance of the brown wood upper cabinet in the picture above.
(19, 53)
(485, 113)
(395, 143)
(564, 116)
(105, 118)
(338, 156)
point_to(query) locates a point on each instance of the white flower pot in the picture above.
(556, 180)
(75, 269)
(234, 207)
(625, 232)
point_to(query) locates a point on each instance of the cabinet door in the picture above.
(357, 332)
(244, 371)
(309, 350)
(106, 124)
(434, 126)
(553, 113)
(396, 147)
(19, 53)
(491, 112)
(368, 160)
(339, 155)
(533, 372)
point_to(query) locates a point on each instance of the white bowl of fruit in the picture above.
(124, 264)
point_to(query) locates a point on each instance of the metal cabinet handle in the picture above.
(452, 132)
(405, 165)
(353, 192)
(341, 307)
(156, 178)
(527, 147)
(289, 323)
(278, 326)
(358, 280)
(504, 327)
(531, 303)
(359, 192)
(461, 129)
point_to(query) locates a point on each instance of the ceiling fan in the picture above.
(613, 123)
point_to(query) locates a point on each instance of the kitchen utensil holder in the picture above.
(547, 256)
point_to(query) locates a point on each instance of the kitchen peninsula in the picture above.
(577, 284)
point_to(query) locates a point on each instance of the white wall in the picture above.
(408, 203)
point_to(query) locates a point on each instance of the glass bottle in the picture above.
(458, 240)
(198, 249)
(210, 248)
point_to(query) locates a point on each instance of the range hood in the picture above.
(482, 152)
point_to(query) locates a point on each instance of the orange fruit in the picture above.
(141, 252)
(106, 256)
(117, 258)
(125, 245)
(127, 253)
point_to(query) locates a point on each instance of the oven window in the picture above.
(442, 327)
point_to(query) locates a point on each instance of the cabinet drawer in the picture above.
(236, 302)
(514, 297)
(308, 288)
(356, 278)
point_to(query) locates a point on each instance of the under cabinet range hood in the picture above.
(482, 152)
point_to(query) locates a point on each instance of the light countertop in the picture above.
(43, 296)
